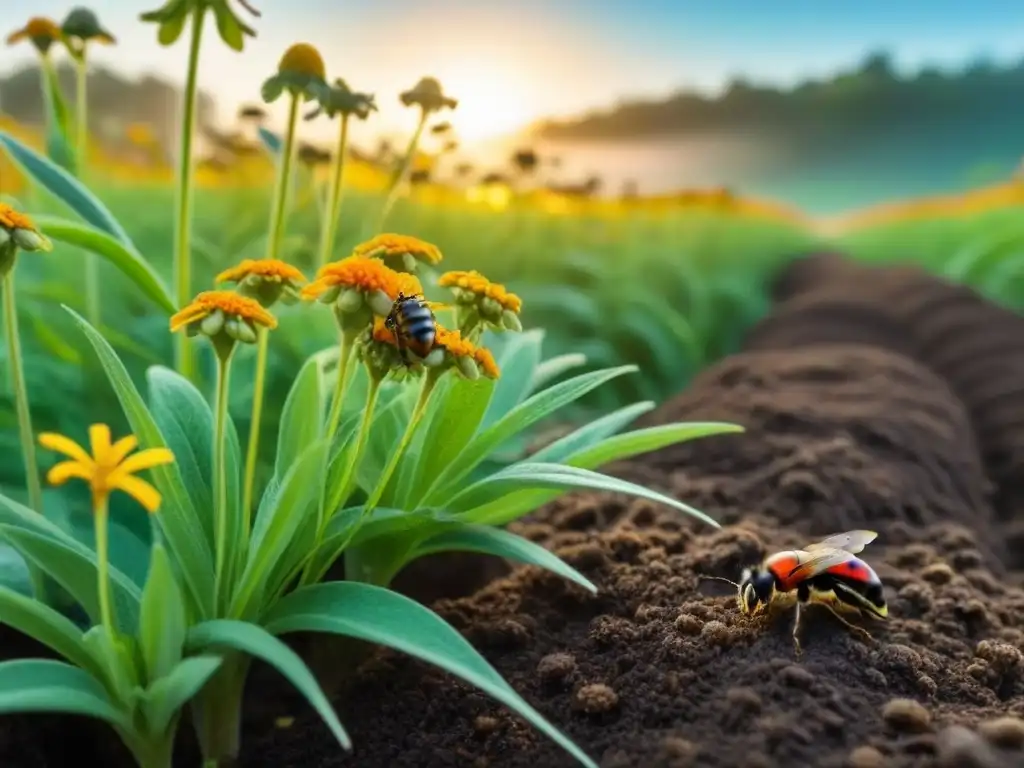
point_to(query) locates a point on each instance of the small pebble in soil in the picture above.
(866, 757)
(1006, 732)
(485, 724)
(677, 752)
(938, 573)
(716, 633)
(596, 699)
(906, 715)
(796, 677)
(284, 722)
(960, 747)
(556, 667)
(688, 624)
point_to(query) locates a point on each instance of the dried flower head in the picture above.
(82, 27)
(41, 31)
(301, 72)
(480, 301)
(171, 18)
(429, 96)
(18, 231)
(266, 280)
(359, 288)
(339, 99)
(225, 317)
(109, 467)
(402, 251)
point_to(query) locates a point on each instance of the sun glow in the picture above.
(492, 102)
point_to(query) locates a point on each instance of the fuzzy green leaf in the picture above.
(47, 626)
(536, 475)
(302, 419)
(121, 255)
(64, 186)
(500, 543)
(257, 642)
(520, 418)
(178, 519)
(168, 695)
(381, 616)
(162, 619)
(551, 369)
(41, 685)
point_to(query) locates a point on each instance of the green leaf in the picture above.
(167, 696)
(58, 123)
(381, 616)
(515, 421)
(518, 362)
(294, 504)
(537, 475)
(41, 685)
(549, 370)
(644, 441)
(121, 254)
(454, 417)
(74, 568)
(500, 543)
(14, 573)
(178, 519)
(588, 434)
(64, 186)
(271, 141)
(47, 626)
(302, 419)
(162, 620)
(261, 644)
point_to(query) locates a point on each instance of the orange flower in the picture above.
(408, 250)
(43, 33)
(361, 274)
(473, 282)
(11, 219)
(214, 312)
(18, 231)
(469, 359)
(265, 280)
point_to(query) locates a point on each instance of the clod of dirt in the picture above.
(596, 699)
(960, 747)
(906, 715)
(866, 757)
(556, 667)
(1006, 732)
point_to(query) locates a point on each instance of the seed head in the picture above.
(301, 72)
(429, 96)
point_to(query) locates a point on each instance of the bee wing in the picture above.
(820, 560)
(851, 541)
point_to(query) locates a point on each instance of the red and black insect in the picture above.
(825, 573)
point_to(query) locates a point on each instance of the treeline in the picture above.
(869, 97)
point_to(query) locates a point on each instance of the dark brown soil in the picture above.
(855, 417)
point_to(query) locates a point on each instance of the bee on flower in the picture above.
(360, 288)
(266, 280)
(383, 352)
(401, 252)
(482, 304)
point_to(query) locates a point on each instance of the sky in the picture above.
(513, 61)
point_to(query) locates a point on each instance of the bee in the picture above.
(827, 573)
(414, 325)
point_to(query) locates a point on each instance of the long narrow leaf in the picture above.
(64, 187)
(381, 616)
(302, 416)
(642, 441)
(166, 697)
(47, 626)
(41, 685)
(591, 433)
(261, 644)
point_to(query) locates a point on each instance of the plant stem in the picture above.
(183, 204)
(280, 203)
(254, 424)
(92, 266)
(401, 173)
(220, 480)
(330, 225)
(101, 514)
(217, 712)
(345, 360)
(418, 411)
(28, 446)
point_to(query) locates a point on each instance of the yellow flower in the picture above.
(408, 250)
(223, 313)
(43, 33)
(478, 297)
(301, 71)
(109, 468)
(265, 280)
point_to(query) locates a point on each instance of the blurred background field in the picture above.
(646, 232)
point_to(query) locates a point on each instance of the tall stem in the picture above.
(254, 424)
(220, 480)
(183, 204)
(403, 171)
(330, 226)
(345, 360)
(102, 522)
(92, 265)
(280, 203)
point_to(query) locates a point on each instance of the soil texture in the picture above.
(860, 412)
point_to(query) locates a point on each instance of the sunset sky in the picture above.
(512, 61)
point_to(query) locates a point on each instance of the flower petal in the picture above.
(65, 470)
(120, 449)
(17, 37)
(99, 439)
(151, 457)
(51, 441)
(138, 489)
